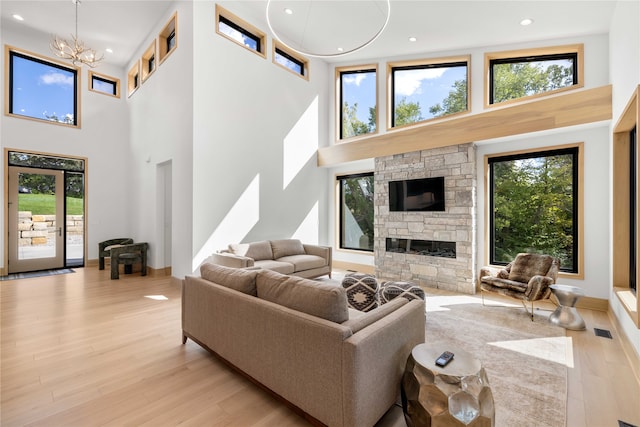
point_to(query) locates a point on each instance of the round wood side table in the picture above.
(446, 396)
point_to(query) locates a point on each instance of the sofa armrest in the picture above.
(374, 360)
(538, 288)
(321, 251)
(231, 260)
(370, 317)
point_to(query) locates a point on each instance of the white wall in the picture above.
(256, 131)
(161, 133)
(625, 75)
(102, 139)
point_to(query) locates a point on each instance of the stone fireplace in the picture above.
(433, 249)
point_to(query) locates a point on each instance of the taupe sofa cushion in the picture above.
(235, 278)
(303, 262)
(286, 247)
(317, 299)
(280, 267)
(256, 250)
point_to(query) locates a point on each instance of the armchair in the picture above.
(104, 248)
(526, 278)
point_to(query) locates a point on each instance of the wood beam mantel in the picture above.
(553, 112)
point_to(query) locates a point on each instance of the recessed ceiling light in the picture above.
(413, 39)
(526, 21)
(288, 11)
(17, 17)
(108, 50)
(340, 49)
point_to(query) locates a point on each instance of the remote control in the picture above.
(444, 359)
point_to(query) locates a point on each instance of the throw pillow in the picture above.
(235, 278)
(286, 247)
(317, 299)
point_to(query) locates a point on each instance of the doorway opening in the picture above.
(46, 212)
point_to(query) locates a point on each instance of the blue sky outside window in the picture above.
(42, 90)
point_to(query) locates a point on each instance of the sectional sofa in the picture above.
(297, 338)
(286, 256)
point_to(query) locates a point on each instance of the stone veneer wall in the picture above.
(456, 224)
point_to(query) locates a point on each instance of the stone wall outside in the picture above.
(37, 230)
(456, 224)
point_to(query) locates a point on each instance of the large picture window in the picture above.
(41, 89)
(534, 206)
(515, 75)
(425, 90)
(356, 211)
(357, 101)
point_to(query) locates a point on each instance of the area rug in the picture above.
(526, 362)
(41, 273)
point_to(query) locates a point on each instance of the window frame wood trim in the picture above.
(540, 51)
(579, 275)
(170, 27)
(113, 80)
(275, 44)
(133, 71)
(418, 62)
(629, 118)
(148, 54)
(255, 31)
(7, 86)
(338, 106)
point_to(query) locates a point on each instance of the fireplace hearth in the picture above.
(421, 247)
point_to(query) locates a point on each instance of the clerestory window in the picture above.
(357, 106)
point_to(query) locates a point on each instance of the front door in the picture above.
(36, 215)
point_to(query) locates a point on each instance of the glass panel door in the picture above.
(36, 215)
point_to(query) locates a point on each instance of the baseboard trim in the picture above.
(362, 268)
(590, 303)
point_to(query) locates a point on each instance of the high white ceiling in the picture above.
(437, 25)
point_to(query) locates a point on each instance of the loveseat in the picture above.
(297, 338)
(287, 256)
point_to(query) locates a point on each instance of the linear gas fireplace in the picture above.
(421, 247)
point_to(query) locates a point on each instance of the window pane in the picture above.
(358, 100)
(422, 93)
(534, 201)
(42, 90)
(356, 212)
(103, 86)
(295, 66)
(238, 34)
(513, 79)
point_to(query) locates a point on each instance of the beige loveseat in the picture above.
(297, 338)
(287, 256)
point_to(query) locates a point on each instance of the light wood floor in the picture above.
(82, 350)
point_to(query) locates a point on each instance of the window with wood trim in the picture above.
(534, 206)
(102, 83)
(427, 89)
(133, 78)
(290, 60)
(149, 61)
(520, 74)
(40, 88)
(168, 38)
(357, 101)
(239, 31)
(356, 211)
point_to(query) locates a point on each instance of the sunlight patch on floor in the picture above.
(552, 349)
(157, 297)
(439, 303)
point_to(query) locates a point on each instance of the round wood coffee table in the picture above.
(450, 395)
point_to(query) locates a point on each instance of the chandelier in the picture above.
(327, 28)
(75, 51)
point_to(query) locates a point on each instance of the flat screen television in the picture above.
(425, 194)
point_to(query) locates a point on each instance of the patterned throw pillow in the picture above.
(362, 291)
(391, 290)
